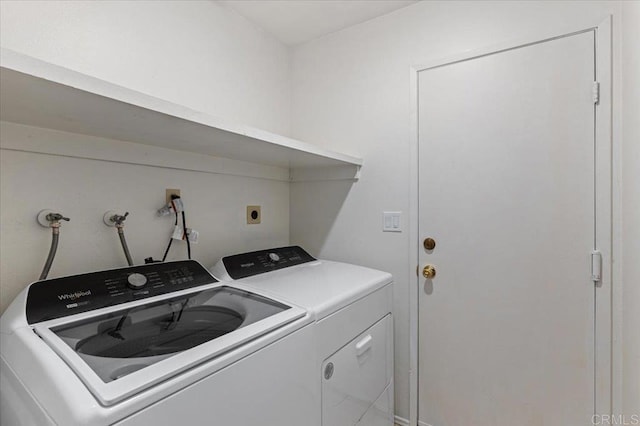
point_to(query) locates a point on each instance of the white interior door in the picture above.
(506, 190)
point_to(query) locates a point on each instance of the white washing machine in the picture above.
(351, 306)
(158, 344)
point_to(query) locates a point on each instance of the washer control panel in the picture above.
(64, 296)
(258, 262)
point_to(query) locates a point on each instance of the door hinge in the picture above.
(595, 91)
(596, 266)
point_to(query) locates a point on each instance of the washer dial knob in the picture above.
(136, 280)
(274, 257)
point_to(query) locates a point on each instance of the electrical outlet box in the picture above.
(254, 215)
(169, 192)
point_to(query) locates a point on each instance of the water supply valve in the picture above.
(50, 219)
(111, 218)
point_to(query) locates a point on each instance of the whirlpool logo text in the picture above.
(74, 296)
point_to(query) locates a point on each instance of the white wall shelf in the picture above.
(41, 94)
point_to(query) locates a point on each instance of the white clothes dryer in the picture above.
(351, 306)
(160, 344)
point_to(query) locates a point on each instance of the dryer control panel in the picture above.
(258, 262)
(59, 297)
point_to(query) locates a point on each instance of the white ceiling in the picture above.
(298, 21)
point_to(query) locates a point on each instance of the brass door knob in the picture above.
(429, 272)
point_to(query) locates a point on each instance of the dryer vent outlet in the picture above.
(254, 215)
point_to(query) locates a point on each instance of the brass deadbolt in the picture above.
(429, 243)
(429, 272)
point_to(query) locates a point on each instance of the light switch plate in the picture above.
(392, 221)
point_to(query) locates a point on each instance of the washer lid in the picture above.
(121, 352)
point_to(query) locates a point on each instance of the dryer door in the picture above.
(356, 376)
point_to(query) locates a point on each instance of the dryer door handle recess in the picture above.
(363, 345)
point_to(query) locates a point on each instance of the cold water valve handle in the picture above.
(56, 217)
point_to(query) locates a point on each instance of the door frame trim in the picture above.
(605, 230)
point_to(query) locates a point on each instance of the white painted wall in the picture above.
(351, 91)
(198, 54)
(631, 205)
